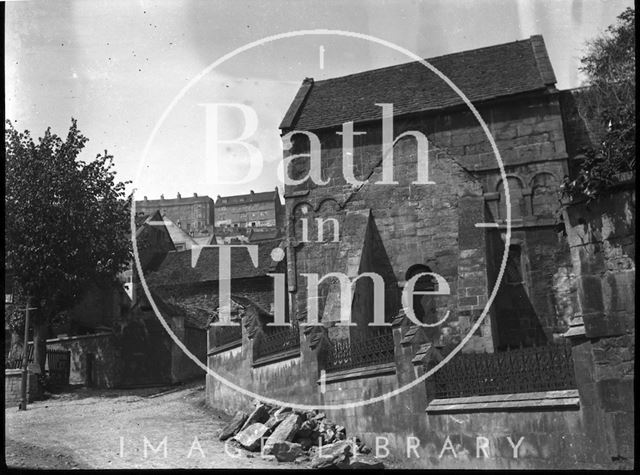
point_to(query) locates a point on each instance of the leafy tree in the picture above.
(67, 225)
(610, 67)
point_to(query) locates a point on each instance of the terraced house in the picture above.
(526, 369)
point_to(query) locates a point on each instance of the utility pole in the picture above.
(25, 357)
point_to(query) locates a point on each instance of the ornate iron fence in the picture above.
(522, 370)
(368, 348)
(226, 335)
(276, 340)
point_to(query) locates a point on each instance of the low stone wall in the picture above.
(291, 378)
(532, 430)
(13, 387)
(548, 429)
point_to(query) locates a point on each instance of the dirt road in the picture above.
(108, 429)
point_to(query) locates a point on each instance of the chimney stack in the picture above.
(195, 195)
(145, 198)
(161, 197)
(179, 196)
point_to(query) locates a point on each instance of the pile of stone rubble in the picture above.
(292, 436)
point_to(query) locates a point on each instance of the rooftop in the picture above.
(481, 74)
(251, 197)
(178, 200)
(176, 268)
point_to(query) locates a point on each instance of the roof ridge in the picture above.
(428, 60)
(545, 69)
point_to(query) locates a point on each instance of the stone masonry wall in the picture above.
(292, 379)
(104, 350)
(13, 387)
(601, 235)
(418, 224)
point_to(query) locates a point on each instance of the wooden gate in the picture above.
(58, 367)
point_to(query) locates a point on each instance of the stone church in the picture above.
(514, 375)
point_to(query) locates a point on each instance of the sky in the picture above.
(118, 65)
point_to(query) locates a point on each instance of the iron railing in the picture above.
(274, 340)
(366, 348)
(522, 370)
(226, 335)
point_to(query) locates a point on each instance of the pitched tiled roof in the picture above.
(176, 268)
(166, 309)
(481, 74)
(196, 317)
(201, 315)
(247, 198)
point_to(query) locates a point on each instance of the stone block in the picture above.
(286, 451)
(275, 420)
(468, 301)
(329, 456)
(616, 395)
(234, 426)
(285, 432)
(260, 414)
(251, 437)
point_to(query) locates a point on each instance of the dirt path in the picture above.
(107, 429)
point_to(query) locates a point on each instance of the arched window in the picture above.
(544, 200)
(515, 197)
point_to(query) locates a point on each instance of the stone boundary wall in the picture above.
(601, 236)
(13, 387)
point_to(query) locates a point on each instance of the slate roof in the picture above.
(481, 74)
(196, 317)
(166, 309)
(205, 312)
(247, 198)
(176, 268)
